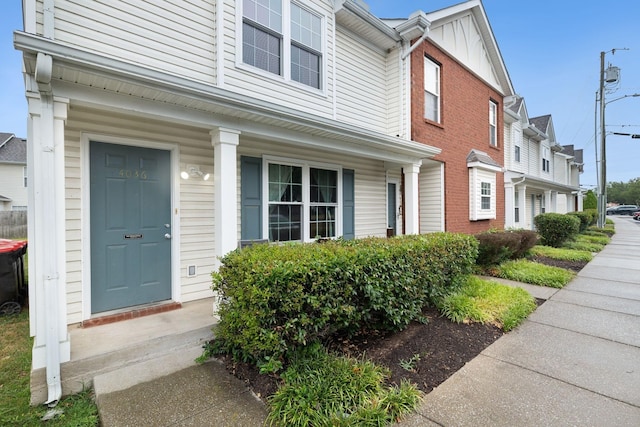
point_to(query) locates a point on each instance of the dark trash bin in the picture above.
(13, 283)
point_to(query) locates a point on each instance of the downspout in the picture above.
(416, 44)
(43, 74)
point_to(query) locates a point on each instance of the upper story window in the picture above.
(271, 44)
(431, 90)
(517, 143)
(493, 124)
(24, 176)
(546, 164)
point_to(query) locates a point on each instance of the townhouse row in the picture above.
(164, 134)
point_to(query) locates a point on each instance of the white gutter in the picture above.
(417, 43)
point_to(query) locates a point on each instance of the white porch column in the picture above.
(47, 284)
(225, 174)
(411, 198)
(509, 204)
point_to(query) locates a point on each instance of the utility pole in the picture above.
(602, 182)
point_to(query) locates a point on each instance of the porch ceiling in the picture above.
(89, 79)
(539, 183)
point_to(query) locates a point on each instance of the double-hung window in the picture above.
(516, 204)
(303, 202)
(306, 46)
(485, 196)
(290, 49)
(431, 90)
(262, 35)
(493, 124)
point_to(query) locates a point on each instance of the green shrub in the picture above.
(498, 246)
(585, 219)
(593, 213)
(555, 228)
(276, 298)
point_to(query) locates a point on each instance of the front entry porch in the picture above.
(121, 354)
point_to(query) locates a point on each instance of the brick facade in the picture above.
(464, 125)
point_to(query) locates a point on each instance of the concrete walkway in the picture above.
(574, 362)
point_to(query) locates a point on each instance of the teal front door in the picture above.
(130, 226)
(391, 209)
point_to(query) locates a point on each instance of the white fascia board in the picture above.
(213, 96)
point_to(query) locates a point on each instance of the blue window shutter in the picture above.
(348, 204)
(251, 198)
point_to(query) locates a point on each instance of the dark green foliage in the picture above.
(499, 246)
(590, 201)
(554, 228)
(277, 298)
(585, 219)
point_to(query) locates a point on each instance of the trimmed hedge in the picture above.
(276, 298)
(585, 218)
(555, 228)
(499, 246)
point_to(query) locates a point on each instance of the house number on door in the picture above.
(135, 173)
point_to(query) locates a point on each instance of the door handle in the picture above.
(167, 236)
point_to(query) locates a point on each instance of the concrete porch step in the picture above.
(116, 356)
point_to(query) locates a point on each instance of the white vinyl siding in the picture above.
(370, 183)
(12, 184)
(481, 181)
(362, 89)
(251, 81)
(165, 36)
(431, 198)
(196, 198)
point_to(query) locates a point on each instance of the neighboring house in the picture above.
(541, 175)
(459, 85)
(13, 172)
(297, 111)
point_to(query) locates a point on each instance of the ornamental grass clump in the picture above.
(563, 254)
(322, 389)
(485, 301)
(534, 273)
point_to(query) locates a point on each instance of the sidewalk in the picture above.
(575, 361)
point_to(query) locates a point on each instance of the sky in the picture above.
(551, 50)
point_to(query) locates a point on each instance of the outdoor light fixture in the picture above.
(193, 171)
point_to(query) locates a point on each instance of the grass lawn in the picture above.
(15, 367)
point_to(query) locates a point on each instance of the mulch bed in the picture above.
(431, 352)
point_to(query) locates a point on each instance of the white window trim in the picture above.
(479, 173)
(426, 90)
(306, 202)
(286, 48)
(493, 123)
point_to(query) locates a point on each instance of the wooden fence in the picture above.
(13, 224)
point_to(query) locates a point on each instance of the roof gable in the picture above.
(464, 32)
